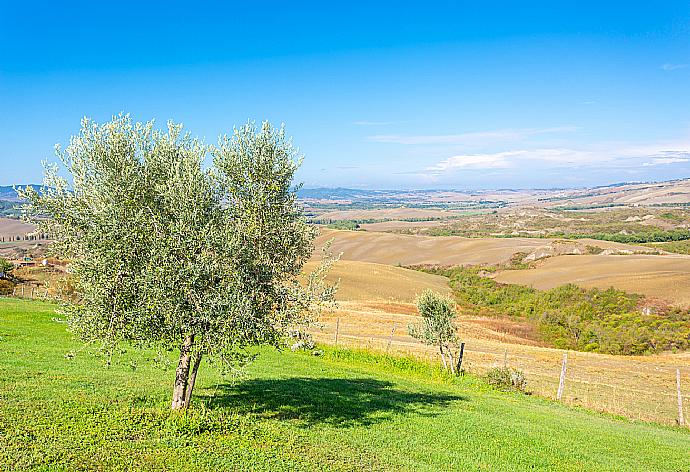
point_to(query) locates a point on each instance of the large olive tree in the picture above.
(171, 251)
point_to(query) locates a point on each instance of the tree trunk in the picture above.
(192, 379)
(451, 360)
(182, 374)
(443, 357)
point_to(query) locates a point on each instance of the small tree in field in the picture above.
(437, 327)
(171, 253)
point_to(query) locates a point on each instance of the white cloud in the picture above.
(618, 157)
(659, 161)
(475, 138)
(670, 67)
(476, 161)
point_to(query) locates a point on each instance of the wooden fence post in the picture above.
(390, 338)
(681, 420)
(505, 358)
(561, 383)
(460, 355)
(337, 330)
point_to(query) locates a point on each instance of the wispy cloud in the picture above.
(669, 66)
(618, 157)
(668, 157)
(659, 161)
(475, 161)
(474, 138)
(513, 158)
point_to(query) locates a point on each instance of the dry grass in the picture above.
(640, 387)
(396, 225)
(399, 249)
(377, 282)
(390, 213)
(11, 228)
(666, 277)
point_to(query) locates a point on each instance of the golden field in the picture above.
(375, 306)
(401, 249)
(664, 277)
(378, 282)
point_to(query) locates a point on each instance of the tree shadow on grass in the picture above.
(337, 402)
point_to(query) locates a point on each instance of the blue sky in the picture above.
(376, 95)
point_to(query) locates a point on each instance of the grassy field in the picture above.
(638, 387)
(343, 411)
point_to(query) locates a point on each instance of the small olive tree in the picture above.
(437, 328)
(169, 252)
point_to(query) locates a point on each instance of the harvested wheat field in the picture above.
(666, 277)
(638, 387)
(11, 228)
(377, 282)
(399, 249)
(398, 225)
(374, 312)
(390, 213)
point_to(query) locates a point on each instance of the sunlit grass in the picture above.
(345, 410)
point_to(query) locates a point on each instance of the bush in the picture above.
(6, 287)
(507, 379)
(5, 265)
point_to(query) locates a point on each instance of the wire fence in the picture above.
(638, 387)
(644, 388)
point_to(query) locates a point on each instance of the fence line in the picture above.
(613, 384)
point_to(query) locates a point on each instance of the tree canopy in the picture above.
(437, 326)
(170, 251)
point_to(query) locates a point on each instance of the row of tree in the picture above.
(24, 237)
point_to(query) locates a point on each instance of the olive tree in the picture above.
(170, 251)
(437, 327)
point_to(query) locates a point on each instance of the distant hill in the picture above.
(335, 193)
(9, 202)
(9, 194)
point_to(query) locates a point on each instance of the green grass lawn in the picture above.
(343, 411)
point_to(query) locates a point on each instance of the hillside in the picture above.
(666, 277)
(378, 282)
(10, 227)
(342, 411)
(671, 192)
(399, 249)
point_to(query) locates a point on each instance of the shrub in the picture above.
(507, 379)
(6, 287)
